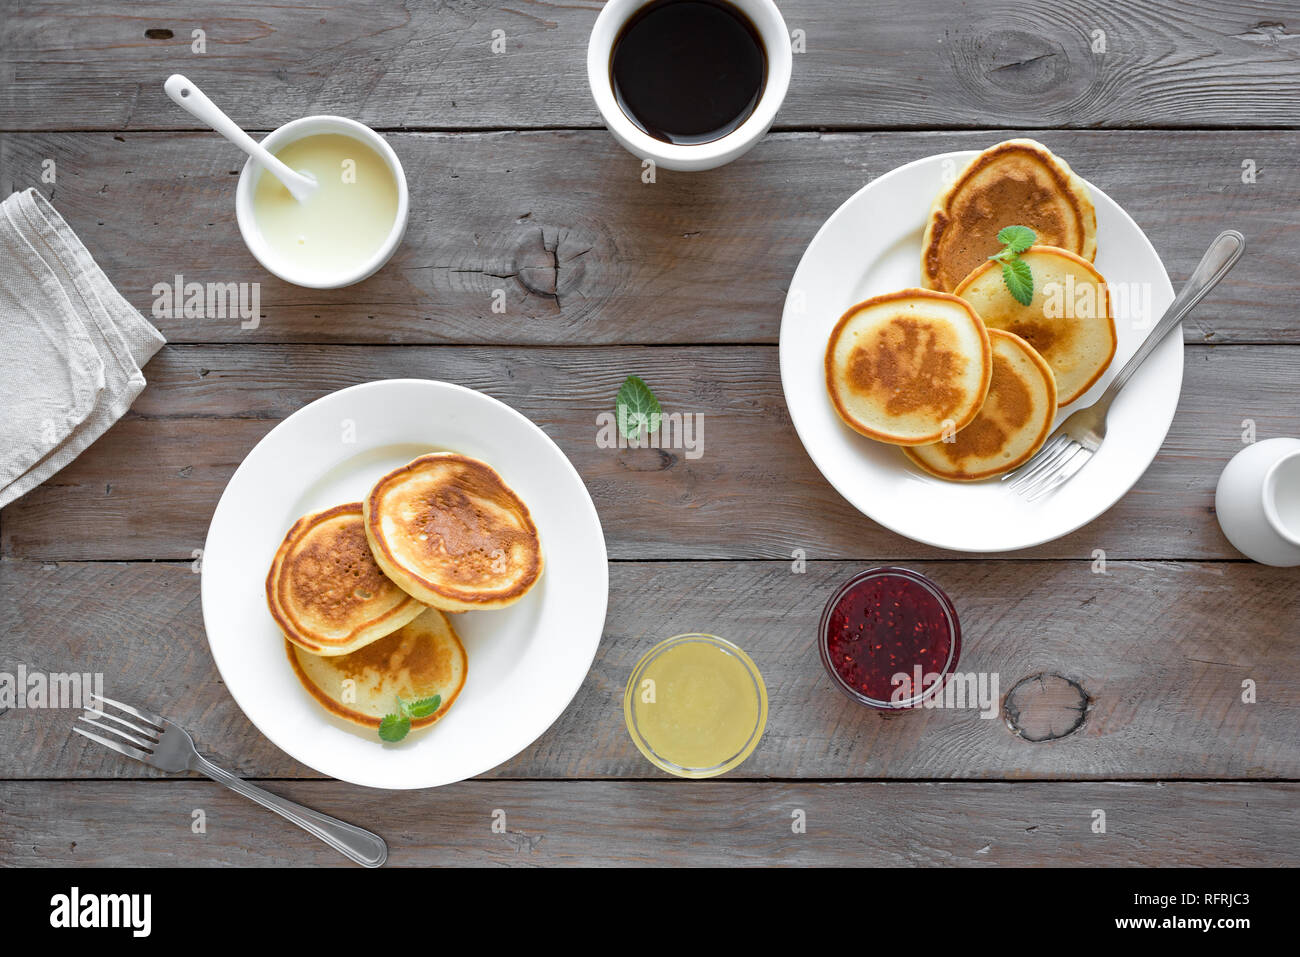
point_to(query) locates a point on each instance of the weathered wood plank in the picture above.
(890, 63)
(585, 253)
(1157, 653)
(667, 824)
(147, 489)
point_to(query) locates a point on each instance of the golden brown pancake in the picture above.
(905, 367)
(326, 592)
(1012, 424)
(419, 660)
(1068, 321)
(447, 529)
(1019, 182)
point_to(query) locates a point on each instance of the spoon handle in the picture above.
(191, 99)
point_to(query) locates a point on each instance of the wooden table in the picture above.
(1128, 684)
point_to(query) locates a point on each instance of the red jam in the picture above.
(885, 622)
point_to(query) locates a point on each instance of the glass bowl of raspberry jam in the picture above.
(885, 623)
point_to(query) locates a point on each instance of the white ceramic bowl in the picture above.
(1246, 501)
(248, 179)
(695, 156)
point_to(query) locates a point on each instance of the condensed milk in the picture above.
(345, 222)
(351, 223)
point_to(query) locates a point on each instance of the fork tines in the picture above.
(136, 735)
(1053, 465)
(1046, 460)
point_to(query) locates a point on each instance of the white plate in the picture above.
(526, 662)
(872, 245)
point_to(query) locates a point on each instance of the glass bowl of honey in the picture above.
(889, 638)
(695, 705)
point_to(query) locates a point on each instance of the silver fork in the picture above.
(1077, 439)
(159, 743)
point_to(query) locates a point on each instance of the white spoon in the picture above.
(191, 99)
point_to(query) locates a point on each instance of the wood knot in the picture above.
(525, 843)
(1021, 62)
(649, 459)
(1268, 34)
(551, 261)
(537, 269)
(1029, 68)
(1046, 706)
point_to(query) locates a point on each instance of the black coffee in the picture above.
(688, 71)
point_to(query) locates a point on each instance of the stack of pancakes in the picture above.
(959, 373)
(361, 590)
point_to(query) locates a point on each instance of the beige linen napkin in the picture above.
(71, 346)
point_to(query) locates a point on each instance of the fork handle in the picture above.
(357, 843)
(1214, 265)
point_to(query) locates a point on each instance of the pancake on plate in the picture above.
(1012, 424)
(1018, 182)
(326, 592)
(908, 366)
(449, 531)
(421, 659)
(1068, 320)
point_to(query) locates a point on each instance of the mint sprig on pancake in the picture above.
(1015, 271)
(422, 708)
(395, 727)
(1017, 238)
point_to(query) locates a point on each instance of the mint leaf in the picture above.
(637, 408)
(1015, 271)
(1019, 280)
(422, 708)
(1017, 238)
(394, 727)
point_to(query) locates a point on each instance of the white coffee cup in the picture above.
(253, 171)
(772, 31)
(1257, 502)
